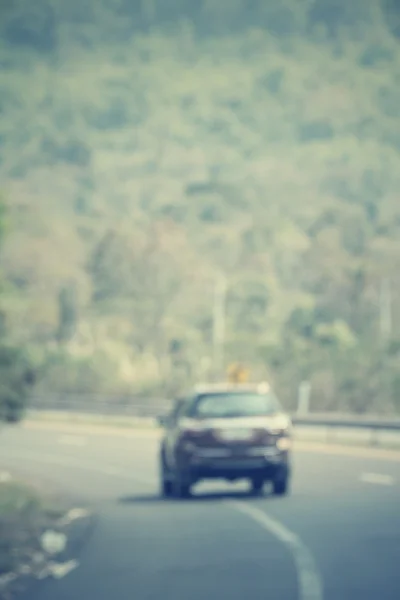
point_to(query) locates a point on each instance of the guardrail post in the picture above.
(303, 401)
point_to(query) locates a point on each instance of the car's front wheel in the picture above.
(256, 486)
(281, 486)
(166, 484)
(181, 489)
(166, 488)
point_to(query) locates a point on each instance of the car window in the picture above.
(212, 406)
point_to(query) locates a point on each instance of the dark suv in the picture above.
(226, 432)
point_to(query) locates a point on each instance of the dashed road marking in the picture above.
(67, 462)
(377, 478)
(309, 581)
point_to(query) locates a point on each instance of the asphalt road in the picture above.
(336, 537)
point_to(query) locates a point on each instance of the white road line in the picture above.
(72, 440)
(377, 479)
(61, 570)
(310, 585)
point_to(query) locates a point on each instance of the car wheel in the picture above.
(257, 486)
(281, 486)
(181, 489)
(166, 483)
(166, 488)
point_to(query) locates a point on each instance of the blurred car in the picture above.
(226, 432)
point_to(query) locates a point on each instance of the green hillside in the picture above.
(150, 149)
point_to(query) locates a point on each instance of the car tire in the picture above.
(166, 484)
(181, 489)
(166, 488)
(281, 486)
(257, 486)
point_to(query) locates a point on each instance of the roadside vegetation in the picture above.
(26, 512)
(150, 149)
(17, 374)
(21, 520)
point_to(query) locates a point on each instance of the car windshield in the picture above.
(214, 406)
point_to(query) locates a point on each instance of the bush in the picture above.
(16, 378)
(66, 374)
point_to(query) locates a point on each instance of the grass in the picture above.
(21, 519)
(25, 512)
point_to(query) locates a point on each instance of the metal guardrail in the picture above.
(347, 420)
(100, 405)
(92, 404)
(331, 428)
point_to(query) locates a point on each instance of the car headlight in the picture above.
(284, 443)
(282, 434)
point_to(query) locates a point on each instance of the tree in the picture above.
(68, 314)
(282, 174)
(16, 373)
(16, 377)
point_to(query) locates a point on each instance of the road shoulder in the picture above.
(42, 533)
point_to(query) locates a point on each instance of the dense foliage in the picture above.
(151, 147)
(16, 371)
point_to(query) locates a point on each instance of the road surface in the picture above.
(336, 537)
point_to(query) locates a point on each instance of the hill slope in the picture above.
(150, 148)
